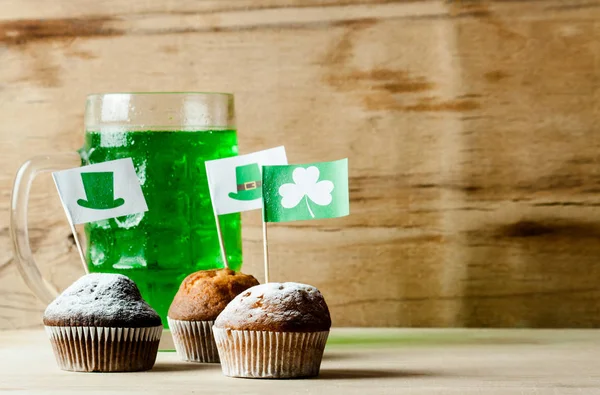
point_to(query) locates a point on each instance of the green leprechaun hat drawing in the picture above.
(249, 183)
(99, 190)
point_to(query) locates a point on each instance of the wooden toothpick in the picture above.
(79, 249)
(219, 234)
(221, 244)
(265, 249)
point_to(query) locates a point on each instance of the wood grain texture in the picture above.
(416, 362)
(470, 128)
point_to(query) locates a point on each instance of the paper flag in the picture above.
(235, 183)
(104, 190)
(302, 192)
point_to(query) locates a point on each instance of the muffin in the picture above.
(102, 324)
(200, 299)
(274, 330)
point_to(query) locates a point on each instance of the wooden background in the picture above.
(471, 128)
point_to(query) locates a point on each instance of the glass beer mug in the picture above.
(169, 136)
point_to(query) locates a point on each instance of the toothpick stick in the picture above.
(79, 249)
(265, 250)
(219, 234)
(70, 221)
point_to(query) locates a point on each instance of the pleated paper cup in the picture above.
(270, 355)
(194, 341)
(99, 349)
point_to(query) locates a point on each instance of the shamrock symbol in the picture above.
(307, 186)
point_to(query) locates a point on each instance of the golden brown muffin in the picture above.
(274, 330)
(204, 294)
(277, 307)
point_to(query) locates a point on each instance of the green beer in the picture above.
(177, 235)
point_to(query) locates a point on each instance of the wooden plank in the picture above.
(530, 170)
(34, 9)
(469, 127)
(421, 362)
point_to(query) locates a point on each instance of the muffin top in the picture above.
(277, 307)
(101, 300)
(204, 294)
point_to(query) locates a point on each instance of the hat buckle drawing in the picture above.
(248, 181)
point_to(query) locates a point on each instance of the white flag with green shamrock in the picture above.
(100, 191)
(308, 191)
(235, 183)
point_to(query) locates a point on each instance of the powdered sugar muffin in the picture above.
(102, 324)
(200, 299)
(274, 330)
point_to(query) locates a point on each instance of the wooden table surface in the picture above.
(356, 361)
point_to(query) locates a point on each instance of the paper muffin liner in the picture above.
(194, 340)
(99, 349)
(277, 355)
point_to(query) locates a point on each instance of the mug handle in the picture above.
(19, 232)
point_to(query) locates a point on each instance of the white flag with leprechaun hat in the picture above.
(100, 191)
(235, 183)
